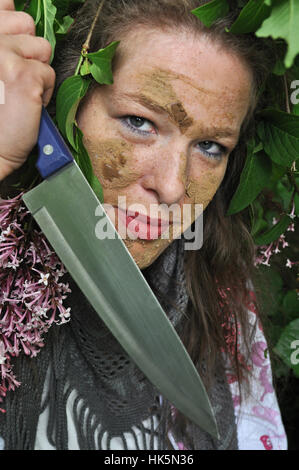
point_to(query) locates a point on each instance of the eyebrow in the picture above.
(219, 132)
(148, 103)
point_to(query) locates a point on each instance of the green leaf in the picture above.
(274, 233)
(210, 12)
(19, 5)
(279, 133)
(279, 68)
(85, 67)
(258, 226)
(43, 12)
(254, 177)
(290, 304)
(35, 10)
(49, 12)
(62, 26)
(101, 60)
(287, 346)
(82, 158)
(284, 194)
(251, 17)
(295, 109)
(278, 171)
(283, 23)
(69, 95)
(97, 187)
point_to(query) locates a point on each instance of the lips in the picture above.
(142, 226)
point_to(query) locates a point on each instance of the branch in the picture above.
(86, 45)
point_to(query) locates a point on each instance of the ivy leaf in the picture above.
(279, 133)
(251, 17)
(283, 23)
(274, 233)
(254, 177)
(210, 12)
(101, 60)
(69, 95)
(82, 158)
(287, 346)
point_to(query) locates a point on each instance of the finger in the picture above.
(7, 5)
(46, 80)
(16, 22)
(29, 47)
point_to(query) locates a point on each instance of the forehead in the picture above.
(171, 66)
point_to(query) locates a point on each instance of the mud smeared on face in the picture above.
(147, 251)
(158, 90)
(179, 116)
(112, 162)
(203, 192)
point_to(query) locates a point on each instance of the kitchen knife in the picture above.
(67, 210)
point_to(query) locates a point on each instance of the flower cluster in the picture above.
(265, 252)
(31, 294)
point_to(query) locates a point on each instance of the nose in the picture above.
(167, 173)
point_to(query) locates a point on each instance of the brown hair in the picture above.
(224, 266)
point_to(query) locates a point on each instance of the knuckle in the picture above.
(46, 49)
(52, 76)
(15, 71)
(7, 5)
(26, 22)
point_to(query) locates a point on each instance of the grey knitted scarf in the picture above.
(113, 398)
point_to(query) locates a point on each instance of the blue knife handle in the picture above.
(53, 153)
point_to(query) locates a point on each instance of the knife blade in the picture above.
(64, 206)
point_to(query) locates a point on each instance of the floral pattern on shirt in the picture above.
(258, 418)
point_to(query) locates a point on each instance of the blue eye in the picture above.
(138, 124)
(211, 149)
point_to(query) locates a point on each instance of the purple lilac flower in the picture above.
(31, 294)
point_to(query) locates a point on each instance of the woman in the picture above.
(170, 130)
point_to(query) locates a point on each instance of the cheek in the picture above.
(113, 162)
(202, 190)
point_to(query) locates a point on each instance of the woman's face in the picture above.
(159, 138)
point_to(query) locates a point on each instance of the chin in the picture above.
(144, 252)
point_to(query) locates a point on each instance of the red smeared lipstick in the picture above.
(142, 226)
